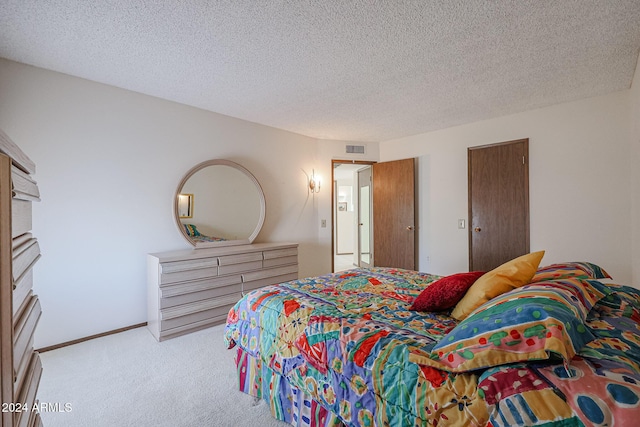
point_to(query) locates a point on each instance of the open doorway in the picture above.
(345, 213)
(380, 231)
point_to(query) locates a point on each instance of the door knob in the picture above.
(410, 227)
(477, 229)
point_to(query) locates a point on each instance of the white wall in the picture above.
(635, 172)
(579, 178)
(108, 163)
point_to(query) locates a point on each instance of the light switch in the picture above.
(461, 223)
(323, 223)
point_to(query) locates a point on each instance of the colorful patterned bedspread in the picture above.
(349, 341)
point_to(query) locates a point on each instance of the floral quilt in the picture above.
(344, 349)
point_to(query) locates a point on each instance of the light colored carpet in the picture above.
(129, 379)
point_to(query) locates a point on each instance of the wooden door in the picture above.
(394, 214)
(498, 203)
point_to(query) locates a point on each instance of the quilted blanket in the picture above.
(563, 350)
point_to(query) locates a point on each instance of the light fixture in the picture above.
(314, 182)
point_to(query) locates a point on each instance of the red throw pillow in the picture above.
(446, 292)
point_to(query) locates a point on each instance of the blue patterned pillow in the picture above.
(578, 270)
(534, 322)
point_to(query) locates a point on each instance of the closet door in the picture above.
(498, 203)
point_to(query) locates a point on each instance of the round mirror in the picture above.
(219, 203)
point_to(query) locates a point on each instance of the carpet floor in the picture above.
(129, 379)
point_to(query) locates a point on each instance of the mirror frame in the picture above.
(238, 167)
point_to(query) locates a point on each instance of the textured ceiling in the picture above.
(351, 70)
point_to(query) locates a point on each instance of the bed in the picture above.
(559, 346)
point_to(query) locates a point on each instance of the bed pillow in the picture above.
(579, 270)
(615, 321)
(191, 230)
(510, 275)
(445, 292)
(619, 301)
(586, 292)
(534, 322)
(628, 293)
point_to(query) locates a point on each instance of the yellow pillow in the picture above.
(510, 275)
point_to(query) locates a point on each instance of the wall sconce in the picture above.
(314, 182)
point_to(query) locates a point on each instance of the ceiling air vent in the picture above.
(355, 149)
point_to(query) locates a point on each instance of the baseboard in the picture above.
(79, 340)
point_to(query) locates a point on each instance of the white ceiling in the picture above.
(359, 70)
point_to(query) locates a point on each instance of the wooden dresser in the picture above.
(21, 368)
(194, 289)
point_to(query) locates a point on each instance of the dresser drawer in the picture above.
(25, 327)
(240, 268)
(239, 258)
(20, 367)
(193, 264)
(279, 253)
(35, 420)
(27, 394)
(274, 280)
(278, 257)
(24, 187)
(25, 256)
(239, 263)
(268, 276)
(214, 319)
(275, 262)
(185, 293)
(21, 290)
(188, 275)
(269, 272)
(182, 315)
(20, 217)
